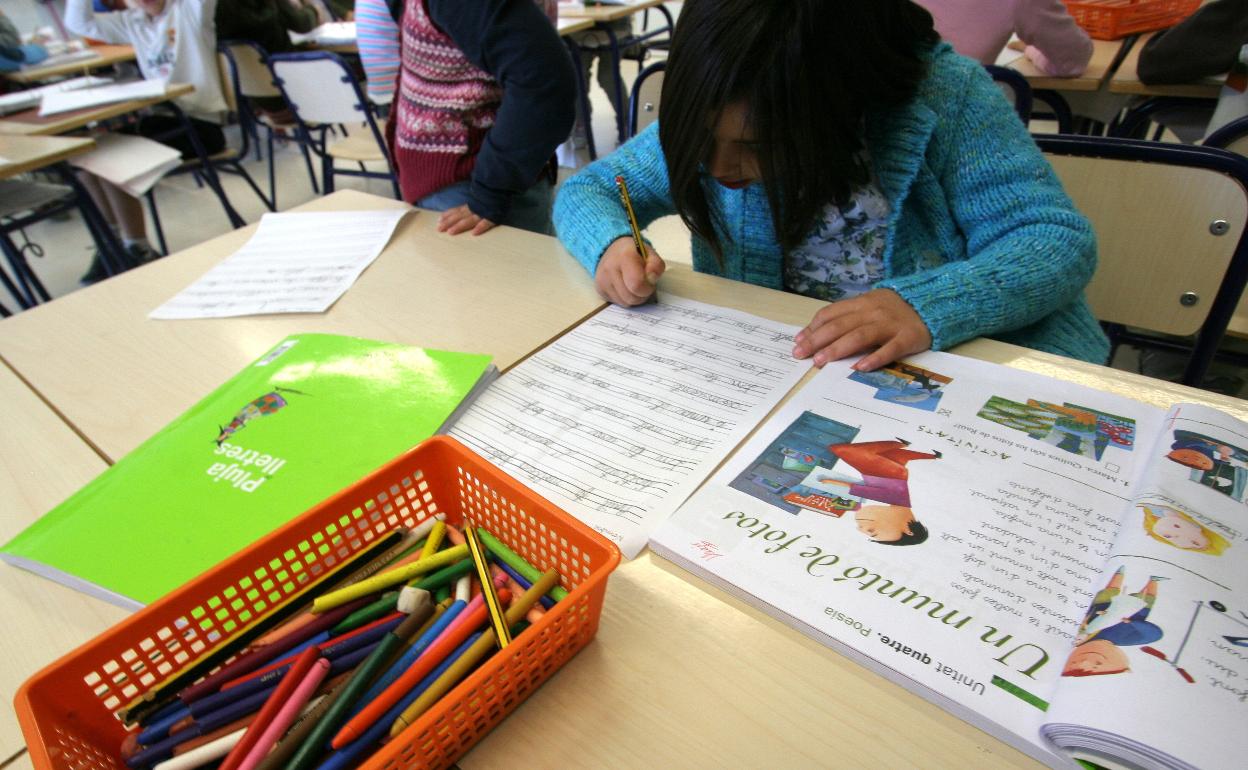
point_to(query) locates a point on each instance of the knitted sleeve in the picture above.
(588, 214)
(1028, 251)
(517, 45)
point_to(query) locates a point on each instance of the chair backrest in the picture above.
(643, 102)
(225, 71)
(1015, 87)
(1171, 224)
(319, 87)
(248, 60)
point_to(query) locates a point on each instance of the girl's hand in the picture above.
(620, 278)
(879, 319)
(460, 220)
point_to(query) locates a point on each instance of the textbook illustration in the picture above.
(1029, 555)
(277, 438)
(905, 383)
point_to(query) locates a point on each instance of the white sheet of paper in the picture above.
(619, 420)
(57, 102)
(133, 163)
(24, 100)
(294, 263)
(335, 32)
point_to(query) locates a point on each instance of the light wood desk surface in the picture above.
(42, 462)
(1104, 53)
(1126, 80)
(567, 25)
(680, 673)
(28, 153)
(28, 123)
(598, 13)
(108, 56)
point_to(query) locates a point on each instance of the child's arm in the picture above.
(514, 42)
(1028, 251)
(588, 214)
(1055, 42)
(81, 19)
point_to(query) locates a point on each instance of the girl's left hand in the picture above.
(879, 319)
(460, 220)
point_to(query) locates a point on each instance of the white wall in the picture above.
(28, 15)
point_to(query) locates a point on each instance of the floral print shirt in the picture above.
(844, 255)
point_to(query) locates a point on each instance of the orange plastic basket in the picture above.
(67, 710)
(1112, 19)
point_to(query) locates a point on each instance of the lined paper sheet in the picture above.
(294, 263)
(619, 420)
(56, 102)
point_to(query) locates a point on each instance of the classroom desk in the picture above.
(680, 674)
(1126, 80)
(597, 13)
(28, 122)
(1104, 54)
(29, 153)
(567, 25)
(42, 461)
(108, 56)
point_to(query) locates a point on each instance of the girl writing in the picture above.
(839, 150)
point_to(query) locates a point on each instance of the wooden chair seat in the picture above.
(358, 147)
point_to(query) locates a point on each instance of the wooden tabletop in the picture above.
(28, 123)
(1104, 52)
(680, 674)
(568, 25)
(108, 55)
(44, 462)
(1126, 80)
(598, 13)
(20, 154)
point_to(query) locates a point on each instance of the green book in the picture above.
(311, 416)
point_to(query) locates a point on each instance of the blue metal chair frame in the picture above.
(1205, 346)
(1226, 134)
(318, 143)
(615, 44)
(642, 76)
(251, 123)
(1018, 84)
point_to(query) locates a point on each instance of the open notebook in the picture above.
(1059, 566)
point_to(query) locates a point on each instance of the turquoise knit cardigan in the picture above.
(982, 240)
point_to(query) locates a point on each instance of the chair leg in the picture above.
(15, 292)
(160, 231)
(238, 169)
(307, 160)
(272, 173)
(327, 174)
(30, 289)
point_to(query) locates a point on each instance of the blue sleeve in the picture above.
(1029, 252)
(588, 214)
(517, 45)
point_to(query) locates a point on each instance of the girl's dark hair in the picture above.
(808, 71)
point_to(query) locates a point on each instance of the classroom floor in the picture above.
(61, 250)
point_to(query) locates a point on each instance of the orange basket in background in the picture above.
(1112, 19)
(68, 710)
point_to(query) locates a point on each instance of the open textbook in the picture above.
(1059, 566)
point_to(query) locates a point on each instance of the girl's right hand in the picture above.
(621, 279)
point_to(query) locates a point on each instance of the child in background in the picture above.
(980, 29)
(838, 149)
(13, 53)
(173, 40)
(377, 34)
(486, 93)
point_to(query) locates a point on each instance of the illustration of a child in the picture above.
(1176, 528)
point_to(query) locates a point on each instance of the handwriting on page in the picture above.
(620, 419)
(294, 263)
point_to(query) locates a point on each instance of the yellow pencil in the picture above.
(473, 655)
(501, 627)
(632, 219)
(434, 542)
(389, 578)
